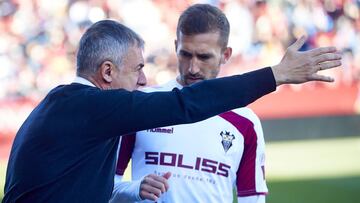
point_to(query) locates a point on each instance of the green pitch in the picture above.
(326, 190)
(314, 171)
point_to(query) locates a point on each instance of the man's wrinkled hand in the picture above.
(303, 66)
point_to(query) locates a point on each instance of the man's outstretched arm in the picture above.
(191, 104)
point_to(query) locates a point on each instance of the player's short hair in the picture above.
(106, 40)
(204, 18)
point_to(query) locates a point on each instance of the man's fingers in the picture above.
(150, 189)
(298, 44)
(153, 186)
(323, 78)
(328, 65)
(147, 195)
(156, 182)
(327, 57)
(321, 50)
(162, 180)
(167, 175)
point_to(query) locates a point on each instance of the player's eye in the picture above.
(185, 54)
(204, 57)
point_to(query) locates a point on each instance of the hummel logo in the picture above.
(161, 130)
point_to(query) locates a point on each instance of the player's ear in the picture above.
(226, 55)
(106, 71)
(176, 45)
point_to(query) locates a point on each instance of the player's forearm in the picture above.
(125, 191)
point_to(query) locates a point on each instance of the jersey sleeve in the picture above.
(126, 148)
(250, 179)
(125, 191)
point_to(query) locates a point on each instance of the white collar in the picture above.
(83, 81)
(177, 84)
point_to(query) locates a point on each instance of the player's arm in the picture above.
(251, 183)
(125, 191)
(151, 187)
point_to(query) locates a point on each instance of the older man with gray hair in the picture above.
(65, 151)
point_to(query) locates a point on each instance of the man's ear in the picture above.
(175, 43)
(226, 55)
(106, 71)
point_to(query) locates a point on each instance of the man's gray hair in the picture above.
(106, 40)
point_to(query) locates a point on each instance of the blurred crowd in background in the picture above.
(38, 39)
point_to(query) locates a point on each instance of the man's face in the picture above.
(130, 74)
(200, 57)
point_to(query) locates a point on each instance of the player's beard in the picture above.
(190, 79)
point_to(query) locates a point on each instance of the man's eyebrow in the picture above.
(185, 52)
(205, 54)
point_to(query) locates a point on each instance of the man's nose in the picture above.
(194, 66)
(142, 79)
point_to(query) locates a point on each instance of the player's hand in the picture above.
(152, 186)
(299, 67)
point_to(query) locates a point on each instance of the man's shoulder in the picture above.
(72, 87)
(71, 90)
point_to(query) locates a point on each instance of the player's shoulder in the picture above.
(161, 88)
(152, 89)
(247, 113)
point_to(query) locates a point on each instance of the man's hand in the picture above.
(299, 67)
(152, 186)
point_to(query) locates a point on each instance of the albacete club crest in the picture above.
(227, 139)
